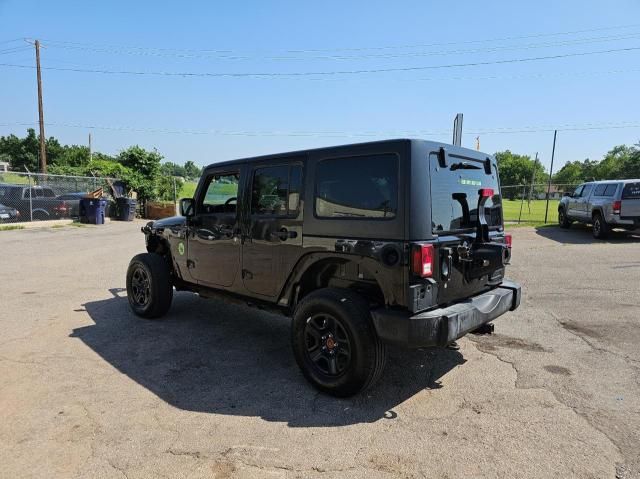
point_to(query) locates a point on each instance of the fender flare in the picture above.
(288, 294)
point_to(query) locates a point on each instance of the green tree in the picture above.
(145, 166)
(570, 173)
(192, 171)
(518, 169)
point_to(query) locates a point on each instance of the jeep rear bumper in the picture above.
(439, 327)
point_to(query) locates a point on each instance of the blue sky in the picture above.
(259, 115)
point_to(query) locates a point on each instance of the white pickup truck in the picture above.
(604, 205)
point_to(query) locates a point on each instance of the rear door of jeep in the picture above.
(459, 179)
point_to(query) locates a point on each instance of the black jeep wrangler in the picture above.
(398, 241)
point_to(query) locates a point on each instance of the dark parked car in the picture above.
(73, 202)
(8, 214)
(398, 241)
(37, 202)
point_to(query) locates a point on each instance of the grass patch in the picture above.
(14, 179)
(11, 227)
(530, 224)
(532, 212)
(188, 189)
(58, 226)
(77, 224)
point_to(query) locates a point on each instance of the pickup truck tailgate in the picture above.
(630, 200)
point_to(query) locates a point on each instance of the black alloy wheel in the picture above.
(328, 344)
(149, 285)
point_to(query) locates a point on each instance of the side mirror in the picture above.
(566, 193)
(187, 207)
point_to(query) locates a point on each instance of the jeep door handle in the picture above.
(284, 234)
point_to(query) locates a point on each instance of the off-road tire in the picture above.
(563, 219)
(159, 289)
(600, 226)
(367, 353)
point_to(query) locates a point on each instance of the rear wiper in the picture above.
(464, 166)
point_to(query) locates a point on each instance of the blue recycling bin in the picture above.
(92, 210)
(126, 209)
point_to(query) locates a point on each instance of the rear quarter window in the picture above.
(364, 187)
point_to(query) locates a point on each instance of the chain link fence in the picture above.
(36, 196)
(528, 203)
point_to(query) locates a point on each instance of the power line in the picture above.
(385, 47)
(326, 73)
(230, 56)
(10, 41)
(17, 49)
(346, 134)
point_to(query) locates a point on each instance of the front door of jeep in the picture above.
(213, 251)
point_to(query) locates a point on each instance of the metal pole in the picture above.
(43, 150)
(30, 199)
(90, 150)
(175, 195)
(553, 154)
(524, 189)
(533, 179)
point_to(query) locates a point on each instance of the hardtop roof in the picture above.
(436, 144)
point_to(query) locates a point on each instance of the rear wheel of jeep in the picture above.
(563, 220)
(149, 287)
(600, 226)
(335, 343)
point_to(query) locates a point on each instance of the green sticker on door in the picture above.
(181, 248)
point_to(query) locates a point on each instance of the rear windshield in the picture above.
(454, 194)
(631, 191)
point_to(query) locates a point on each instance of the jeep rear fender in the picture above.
(317, 270)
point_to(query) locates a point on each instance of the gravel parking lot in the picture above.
(88, 390)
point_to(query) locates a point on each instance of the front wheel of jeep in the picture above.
(149, 286)
(335, 343)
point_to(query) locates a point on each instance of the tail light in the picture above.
(486, 192)
(617, 205)
(62, 208)
(422, 258)
(508, 239)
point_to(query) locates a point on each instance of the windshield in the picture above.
(454, 194)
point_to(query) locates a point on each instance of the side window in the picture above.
(610, 190)
(357, 187)
(48, 193)
(275, 190)
(578, 192)
(600, 189)
(587, 189)
(222, 193)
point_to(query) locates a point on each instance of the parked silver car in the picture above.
(603, 204)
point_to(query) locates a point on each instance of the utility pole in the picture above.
(477, 143)
(553, 154)
(43, 150)
(90, 150)
(533, 179)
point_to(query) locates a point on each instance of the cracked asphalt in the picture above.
(89, 390)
